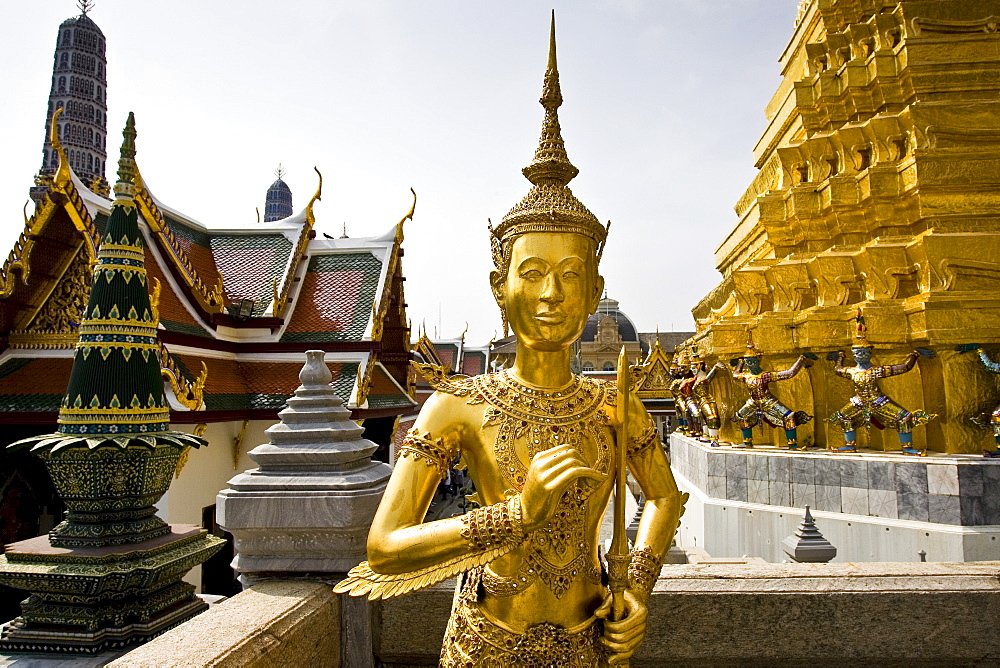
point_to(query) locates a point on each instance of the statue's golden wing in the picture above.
(441, 379)
(362, 580)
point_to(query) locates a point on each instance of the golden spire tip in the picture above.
(552, 42)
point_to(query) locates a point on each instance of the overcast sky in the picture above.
(664, 100)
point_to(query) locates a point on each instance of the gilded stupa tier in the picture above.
(879, 188)
(550, 204)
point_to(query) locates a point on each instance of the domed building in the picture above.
(278, 203)
(605, 333)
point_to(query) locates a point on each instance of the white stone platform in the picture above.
(873, 506)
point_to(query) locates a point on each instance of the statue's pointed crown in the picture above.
(550, 205)
(860, 332)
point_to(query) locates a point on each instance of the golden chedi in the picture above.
(540, 445)
(879, 188)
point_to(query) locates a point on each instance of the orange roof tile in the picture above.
(173, 315)
(335, 301)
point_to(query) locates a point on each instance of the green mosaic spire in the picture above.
(112, 456)
(115, 386)
(115, 394)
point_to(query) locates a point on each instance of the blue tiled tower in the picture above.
(278, 203)
(79, 87)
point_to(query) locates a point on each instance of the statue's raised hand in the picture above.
(550, 473)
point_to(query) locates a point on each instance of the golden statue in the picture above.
(701, 404)
(540, 445)
(678, 375)
(762, 406)
(992, 419)
(870, 405)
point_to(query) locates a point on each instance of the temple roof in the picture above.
(338, 295)
(235, 385)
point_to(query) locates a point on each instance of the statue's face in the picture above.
(753, 364)
(550, 289)
(862, 356)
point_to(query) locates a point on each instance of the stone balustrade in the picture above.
(705, 614)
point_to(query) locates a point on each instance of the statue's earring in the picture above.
(503, 317)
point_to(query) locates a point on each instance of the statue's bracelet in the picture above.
(643, 570)
(494, 525)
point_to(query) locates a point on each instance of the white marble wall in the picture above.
(871, 506)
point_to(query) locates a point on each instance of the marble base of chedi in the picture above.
(308, 506)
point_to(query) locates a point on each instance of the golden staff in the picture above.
(618, 555)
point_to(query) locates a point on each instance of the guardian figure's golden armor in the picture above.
(762, 406)
(870, 405)
(992, 367)
(677, 378)
(702, 403)
(539, 444)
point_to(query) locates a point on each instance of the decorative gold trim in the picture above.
(408, 216)
(154, 302)
(281, 298)
(80, 216)
(364, 380)
(985, 25)
(23, 340)
(238, 444)
(199, 431)
(190, 395)
(211, 300)
(62, 183)
(63, 174)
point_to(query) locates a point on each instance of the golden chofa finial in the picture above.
(62, 175)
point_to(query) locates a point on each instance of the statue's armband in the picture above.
(643, 570)
(431, 451)
(645, 440)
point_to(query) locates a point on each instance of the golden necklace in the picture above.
(542, 419)
(559, 552)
